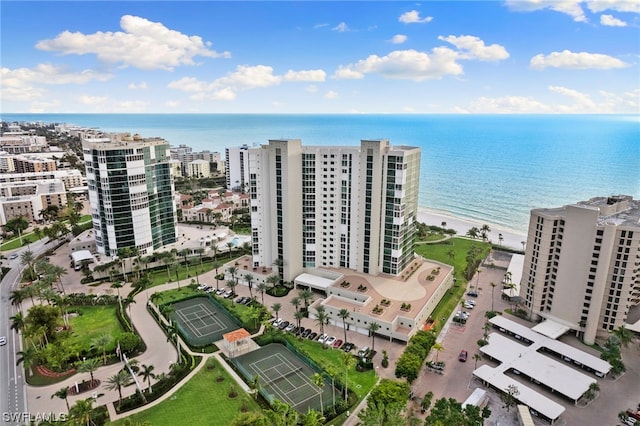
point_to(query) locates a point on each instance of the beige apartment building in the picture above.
(582, 265)
(29, 198)
(352, 207)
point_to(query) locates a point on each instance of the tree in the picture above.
(29, 358)
(307, 296)
(298, 316)
(373, 327)
(117, 382)
(16, 226)
(510, 397)
(322, 318)
(229, 248)
(89, 366)
(282, 414)
(348, 362)
(438, 348)
(62, 393)
(318, 380)
(249, 279)
(17, 322)
(276, 308)
(101, 342)
(261, 287)
(232, 284)
(493, 286)
(313, 418)
(146, 371)
(272, 280)
(295, 301)
(16, 297)
(473, 232)
(484, 232)
(82, 411)
(624, 335)
(452, 255)
(232, 270)
(476, 357)
(450, 412)
(27, 259)
(344, 314)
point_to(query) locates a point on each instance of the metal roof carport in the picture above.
(314, 281)
(540, 403)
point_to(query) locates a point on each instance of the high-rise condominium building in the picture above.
(130, 192)
(581, 267)
(237, 167)
(349, 207)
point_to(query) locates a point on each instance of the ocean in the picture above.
(489, 169)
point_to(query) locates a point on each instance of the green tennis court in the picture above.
(200, 322)
(284, 376)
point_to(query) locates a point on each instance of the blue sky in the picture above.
(521, 56)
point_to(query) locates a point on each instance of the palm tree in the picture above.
(298, 316)
(295, 301)
(146, 371)
(344, 315)
(322, 318)
(477, 278)
(313, 418)
(373, 327)
(476, 357)
(29, 358)
(273, 280)
(229, 247)
(16, 297)
(118, 285)
(58, 272)
(232, 270)
(261, 287)
(493, 286)
(101, 342)
(117, 381)
(276, 308)
(168, 258)
(484, 232)
(348, 362)
(27, 258)
(82, 411)
(17, 322)
(62, 393)
(185, 254)
(318, 380)
(249, 279)
(89, 366)
(624, 335)
(306, 295)
(438, 348)
(172, 335)
(232, 284)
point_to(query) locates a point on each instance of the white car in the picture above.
(330, 341)
(3, 340)
(277, 322)
(13, 256)
(322, 338)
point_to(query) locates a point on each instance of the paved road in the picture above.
(13, 400)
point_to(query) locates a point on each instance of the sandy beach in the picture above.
(509, 238)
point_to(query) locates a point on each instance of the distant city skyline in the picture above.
(514, 56)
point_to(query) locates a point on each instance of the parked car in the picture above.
(347, 347)
(471, 302)
(283, 325)
(13, 256)
(337, 343)
(468, 305)
(202, 286)
(330, 341)
(3, 340)
(312, 336)
(301, 331)
(229, 294)
(295, 331)
(322, 337)
(306, 333)
(241, 299)
(463, 356)
(290, 327)
(277, 322)
(363, 352)
(220, 291)
(472, 294)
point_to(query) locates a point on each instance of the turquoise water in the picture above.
(487, 168)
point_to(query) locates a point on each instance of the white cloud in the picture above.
(398, 39)
(610, 21)
(243, 78)
(131, 106)
(142, 44)
(472, 47)
(413, 17)
(341, 27)
(24, 83)
(331, 95)
(572, 60)
(406, 64)
(583, 102)
(347, 73)
(311, 88)
(307, 75)
(92, 100)
(597, 6)
(568, 7)
(138, 86)
(505, 105)
(320, 26)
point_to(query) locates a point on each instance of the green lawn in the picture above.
(159, 276)
(440, 252)
(171, 296)
(31, 237)
(201, 401)
(93, 322)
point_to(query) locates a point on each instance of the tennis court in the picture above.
(200, 322)
(284, 376)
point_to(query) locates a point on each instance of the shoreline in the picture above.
(510, 238)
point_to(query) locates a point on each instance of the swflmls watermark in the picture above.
(37, 417)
